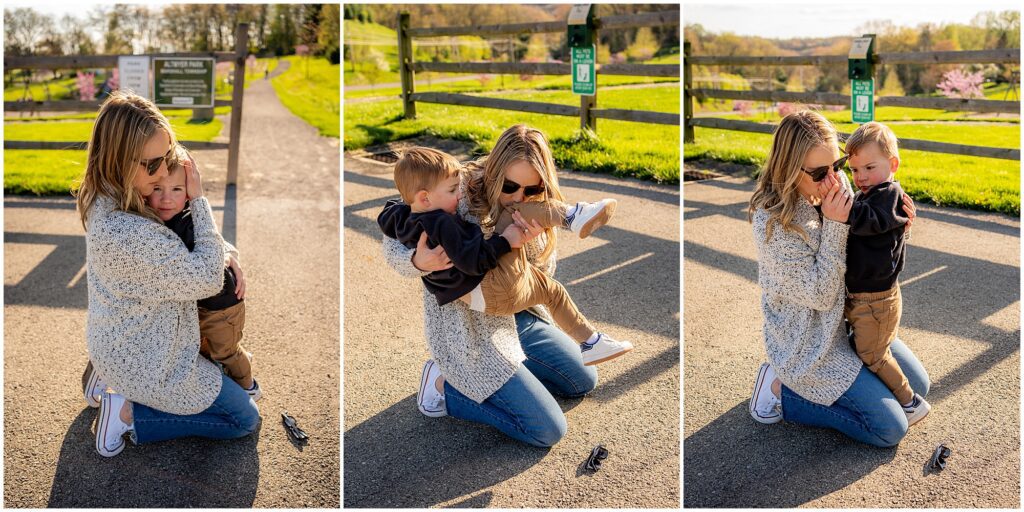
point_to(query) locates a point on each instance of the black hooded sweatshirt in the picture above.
(875, 249)
(463, 242)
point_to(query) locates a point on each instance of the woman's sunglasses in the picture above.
(510, 187)
(153, 164)
(819, 173)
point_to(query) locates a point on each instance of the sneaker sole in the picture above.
(419, 395)
(753, 398)
(608, 358)
(599, 220)
(89, 378)
(102, 421)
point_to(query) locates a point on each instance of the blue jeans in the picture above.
(233, 414)
(867, 412)
(524, 408)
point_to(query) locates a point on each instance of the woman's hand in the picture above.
(837, 203)
(429, 260)
(531, 230)
(193, 180)
(230, 261)
(514, 235)
(910, 209)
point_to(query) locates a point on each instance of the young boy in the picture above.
(875, 255)
(222, 316)
(488, 273)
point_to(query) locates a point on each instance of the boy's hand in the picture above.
(230, 261)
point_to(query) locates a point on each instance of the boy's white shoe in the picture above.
(110, 430)
(765, 407)
(590, 216)
(92, 386)
(428, 399)
(917, 410)
(254, 391)
(604, 348)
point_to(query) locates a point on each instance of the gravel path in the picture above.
(284, 218)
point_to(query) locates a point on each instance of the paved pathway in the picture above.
(284, 220)
(961, 316)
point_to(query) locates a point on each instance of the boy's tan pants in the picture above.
(516, 284)
(875, 317)
(220, 333)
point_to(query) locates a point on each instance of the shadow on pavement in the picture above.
(58, 281)
(182, 473)
(400, 458)
(733, 462)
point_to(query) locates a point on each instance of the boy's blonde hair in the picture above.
(421, 168)
(873, 132)
(176, 160)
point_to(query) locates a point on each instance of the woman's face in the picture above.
(523, 174)
(820, 156)
(156, 147)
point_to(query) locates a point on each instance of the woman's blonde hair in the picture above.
(777, 187)
(124, 124)
(485, 177)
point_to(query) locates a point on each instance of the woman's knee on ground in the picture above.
(889, 430)
(550, 432)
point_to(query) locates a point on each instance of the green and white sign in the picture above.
(862, 100)
(183, 82)
(583, 80)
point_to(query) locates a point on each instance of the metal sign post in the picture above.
(861, 69)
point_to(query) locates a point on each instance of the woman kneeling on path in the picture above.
(143, 326)
(813, 376)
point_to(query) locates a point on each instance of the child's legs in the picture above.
(875, 317)
(549, 214)
(222, 332)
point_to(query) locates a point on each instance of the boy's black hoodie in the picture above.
(463, 242)
(875, 249)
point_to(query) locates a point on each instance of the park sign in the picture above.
(583, 80)
(183, 82)
(862, 100)
(133, 74)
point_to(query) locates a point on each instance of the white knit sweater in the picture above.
(143, 326)
(802, 302)
(477, 353)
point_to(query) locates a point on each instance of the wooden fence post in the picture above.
(238, 91)
(405, 65)
(688, 135)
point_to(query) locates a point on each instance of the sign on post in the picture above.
(133, 74)
(862, 100)
(583, 80)
(183, 82)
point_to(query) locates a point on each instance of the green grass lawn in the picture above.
(623, 148)
(949, 180)
(310, 89)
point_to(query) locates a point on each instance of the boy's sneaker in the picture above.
(589, 216)
(917, 410)
(765, 407)
(428, 399)
(254, 391)
(92, 386)
(603, 349)
(110, 430)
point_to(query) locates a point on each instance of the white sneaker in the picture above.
(604, 349)
(590, 216)
(765, 407)
(110, 430)
(917, 409)
(254, 391)
(428, 399)
(92, 386)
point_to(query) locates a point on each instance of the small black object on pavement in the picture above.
(598, 454)
(292, 426)
(938, 461)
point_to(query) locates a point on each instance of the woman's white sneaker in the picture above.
(917, 410)
(604, 348)
(587, 217)
(110, 430)
(92, 386)
(765, 407)
(429, 400)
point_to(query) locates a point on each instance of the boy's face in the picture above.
(871, 167)
(444, 196)
(168, 197)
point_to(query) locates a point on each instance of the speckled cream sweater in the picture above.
(802, 302)
(477, 353)
(142, 326)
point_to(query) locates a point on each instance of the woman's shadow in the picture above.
(188, 472)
